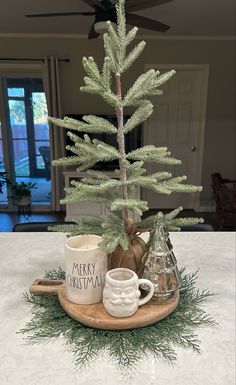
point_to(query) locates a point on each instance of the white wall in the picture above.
(220, 137)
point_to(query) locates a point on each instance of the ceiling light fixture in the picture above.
(101, 26)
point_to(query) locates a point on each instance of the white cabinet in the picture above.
(75, 210)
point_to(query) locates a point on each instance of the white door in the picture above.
(178, 123)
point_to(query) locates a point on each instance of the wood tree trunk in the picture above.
(131, 258)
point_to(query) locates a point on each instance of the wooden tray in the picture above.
(95, 315)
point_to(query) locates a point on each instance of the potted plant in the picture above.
(22, 193)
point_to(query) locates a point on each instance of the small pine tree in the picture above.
(118, 194)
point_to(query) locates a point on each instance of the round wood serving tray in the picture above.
(95, 315)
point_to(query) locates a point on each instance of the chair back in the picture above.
(225, 198)
(45, 153)
(217, 180)
(226, 201)
(198, 227)
(36, 227)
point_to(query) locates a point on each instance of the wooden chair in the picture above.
(218, 180)
(225, 197)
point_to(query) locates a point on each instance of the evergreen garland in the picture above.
(126, 347)
(118, 194)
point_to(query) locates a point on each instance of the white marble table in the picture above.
(25, 256)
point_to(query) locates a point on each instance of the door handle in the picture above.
(193, 148)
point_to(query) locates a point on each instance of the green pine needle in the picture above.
(107, 82)
(125, 347)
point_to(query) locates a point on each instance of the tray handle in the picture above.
(46, 286)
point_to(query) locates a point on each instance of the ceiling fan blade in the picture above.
(95, 4)
(135, 5)
(92, 33)
(146, 23)
(62, 14)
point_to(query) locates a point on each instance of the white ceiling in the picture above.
(186, 17)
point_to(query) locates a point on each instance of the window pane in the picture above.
(19, 131)
(3, 187)
(21, 157)
(41, 131)
(40, 113)
(16, 92)
(17, 118)
(40, 163)
(2, 166)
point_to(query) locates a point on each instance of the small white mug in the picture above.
(121, 292)
(86, 266)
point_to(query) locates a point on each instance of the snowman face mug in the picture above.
(121, 292)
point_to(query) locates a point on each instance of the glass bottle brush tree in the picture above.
(119, 230)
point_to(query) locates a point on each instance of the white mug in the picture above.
(86, 266)
(121, 292)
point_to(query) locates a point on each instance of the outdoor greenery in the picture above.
(40, 112)
(3, 179)
(126, 347)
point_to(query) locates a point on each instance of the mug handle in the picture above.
(150, 294)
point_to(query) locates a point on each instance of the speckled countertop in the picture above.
(26, 256)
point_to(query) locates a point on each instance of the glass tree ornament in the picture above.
(159, 264)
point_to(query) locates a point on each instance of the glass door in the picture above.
(28, 136)
(40, 144)
(3, 186)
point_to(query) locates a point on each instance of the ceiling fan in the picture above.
(104, 10)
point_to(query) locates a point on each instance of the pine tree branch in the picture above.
(139, 116)
(98, 174)
(131, 36)
(106, 75)
(67, 161)
(135, 169)
(91, 124)
(146, 85)
(171, 222)
(173, 214)
(88, 152)
(91, 68)
(114, 233)
(105, 191)
(151, 153)
(133, 55)
(126, 347)
(134, 205)
(177, 223)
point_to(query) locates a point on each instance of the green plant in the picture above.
(118, 194)
(23, 189)
(125, 347)
(3, 179)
